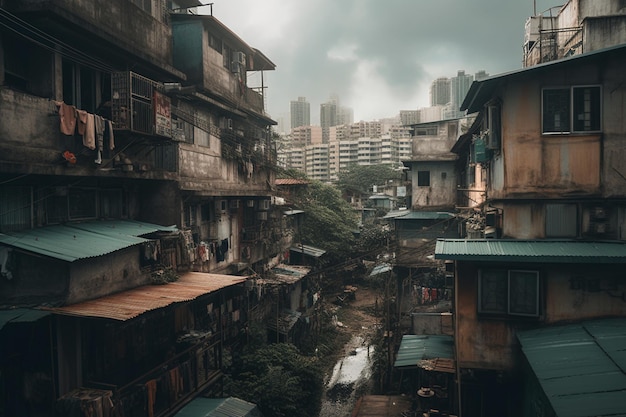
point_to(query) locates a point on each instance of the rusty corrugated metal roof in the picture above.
(132, 303)
(291, 181)
(382, 406)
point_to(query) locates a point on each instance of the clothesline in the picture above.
(92, 127)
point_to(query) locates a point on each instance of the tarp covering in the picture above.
(74, 241)
(580, 367)
(129, 304)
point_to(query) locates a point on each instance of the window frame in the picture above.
(572, 104)
(506, 310)
(420, 182)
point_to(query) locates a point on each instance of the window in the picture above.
(508, 292)
(561, 220)
(575, 109)
(215, 43)
(15, 208)
(82, 203)
(423, 178)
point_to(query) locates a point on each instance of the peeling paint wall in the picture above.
(567, 292)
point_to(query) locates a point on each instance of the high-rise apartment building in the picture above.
(481, 75)
(345, 116)
(409, 117)
(459, 86)
(440, 92)
(328, 118)
(300, 112)
(306, 135)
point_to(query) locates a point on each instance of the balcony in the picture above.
(166, 387)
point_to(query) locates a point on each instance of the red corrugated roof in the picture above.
(132, 303)
(291, 181)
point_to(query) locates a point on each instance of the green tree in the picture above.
(329, 221)
(278, 379)
(358, 179)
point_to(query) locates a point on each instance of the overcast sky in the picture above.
(379, 57)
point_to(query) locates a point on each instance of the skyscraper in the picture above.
(440, 92)
(300, 113)
(328, 118)
(481, 75)
(459, 86)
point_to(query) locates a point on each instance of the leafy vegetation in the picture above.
(329, 221)
(359, 179)
(280, 380)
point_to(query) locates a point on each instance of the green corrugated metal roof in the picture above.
(416, 348)
(530, 251)
(308, 250)
(580, 367)
(426, 215)
(76, 241)
(123, 227)
(18, 315)
(219, 407)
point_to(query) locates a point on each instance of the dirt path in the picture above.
(359, 316)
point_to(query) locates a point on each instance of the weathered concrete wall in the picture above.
(442, 189)
(599, 8)
(580, 293)
(604, 32)
(35, 280)
(203, 169)
(160, 203)
(567, 292)
(117, 21)
(480, 343)
(523, 221)
(545, 165)
(96, 277)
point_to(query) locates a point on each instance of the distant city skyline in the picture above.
(379, 58)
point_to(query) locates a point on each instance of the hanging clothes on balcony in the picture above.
(67, 118)
(108, 133)
(89, 138)
(99, 128)
(81, 121)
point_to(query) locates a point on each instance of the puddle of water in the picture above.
(349, 373)
(352, 368)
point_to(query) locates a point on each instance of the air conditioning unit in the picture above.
(599, 213)
(599, 228)
(261, 215)
(239, 58)
(234, 204)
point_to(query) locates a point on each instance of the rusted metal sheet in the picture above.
(382, 406)
(132, 303)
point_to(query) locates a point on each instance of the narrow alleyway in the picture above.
(350, 378)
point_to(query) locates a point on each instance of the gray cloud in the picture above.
(378, 56)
